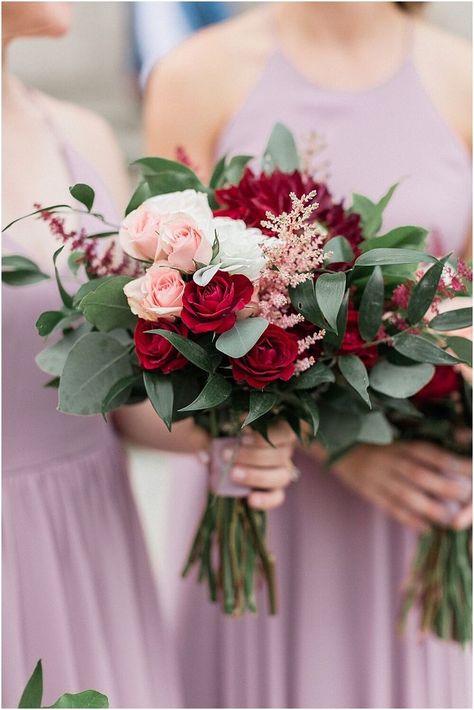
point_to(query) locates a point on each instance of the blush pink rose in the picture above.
(138, 234)
(158, 294)
(182, 244)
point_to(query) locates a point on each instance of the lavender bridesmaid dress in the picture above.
(77, 588)
(341, 561)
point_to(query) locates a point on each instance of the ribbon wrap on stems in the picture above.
(229, 548)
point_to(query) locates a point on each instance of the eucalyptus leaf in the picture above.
(355, 373)
(386, 257)
(88, 287)
(371, 305)
(237, 341)
(107, 306)
(119, 393)
(93, 365)
(335, 431)
(205, 274)
(260, 403)
(375, 429)
(191, 350)
(159, 389)
(281, 152)
(52, 359)
(216, 390)
(420, 349)
(452, 320)
(330, 289)
(33, 692)
(86, 699)
(83, 194)
(47, 321)
(400, 381)
(315, 376)
(462, 347)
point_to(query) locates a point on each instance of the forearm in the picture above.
(139, 424)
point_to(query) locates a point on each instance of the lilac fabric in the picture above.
(77, 588)
(341, 561)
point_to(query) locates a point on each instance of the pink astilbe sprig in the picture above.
(109, 262)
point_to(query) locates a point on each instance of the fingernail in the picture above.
(227, 454)
(238, 474)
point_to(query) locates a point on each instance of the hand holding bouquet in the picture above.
(253, 302)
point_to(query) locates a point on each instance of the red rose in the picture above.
(214, 307)
(272, 358)
(353, 343)
(444, 381)
(153, 351)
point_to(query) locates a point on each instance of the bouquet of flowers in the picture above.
(254, 299)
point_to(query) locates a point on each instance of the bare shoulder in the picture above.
(445, 63)
(93, 139)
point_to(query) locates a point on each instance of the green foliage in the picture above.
(420, 349)
(33, 693)
(52, 359)
(330, 289)
(20, 271)
(260, 403)
(462, 347)
(74, 261)
(334, 340)
(398, 380)
(49, 321)
(315, 376)
(452, 320)
(94, 364)
(341, 250)
(237, 341)
(86, 288)
(371, 305)
(65, 297)
(234, 169)
(83, 194)
(216, 390)
(371, 213)
(355, 373)
(281, 152)
(336, 431)
(401, 237)
(387, 257)
(303, 298)
(191, 350)
(375, 429)
(159, 389)
(423, 292)
(311, 410)
(119, 393)
(107, 307)
(217, 177)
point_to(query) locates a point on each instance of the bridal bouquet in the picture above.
(255, 299)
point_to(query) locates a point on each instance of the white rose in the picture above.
(239, 248)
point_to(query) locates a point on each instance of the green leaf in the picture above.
(102, 235)
(311, 409)
(142, 193)
(217, 176)
(423, 292)
(237, 341)
(47, 322)
(316, 375)
(422, 350)
(83, 194)
(107, 306)
(400, 381)
(371, 305)
(20, 271)
(75, 260)
(119, 393)
(452, 320)
(151, 167)
(94, 364)
(191, 350)
(334, 340)
(52, 359)
(355, 373)
(330, 289)
(386, 257)
(235, 168)
(86, 699)
(216, 390)
(371, 213)
(88, 287)
(408, 237)
(33, 693)
(375, 429)
(260, 404)
(335, 431)
(159, 389)
(281, 152)
(341, 250)
(65, 297)
(303, 298)
(462, 347)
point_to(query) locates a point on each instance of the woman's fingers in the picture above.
(435, 483)
(263, 457)
(412, 499)
(463, 519)
(427, 454)
(266, 500)
(261, 477)
(280, 434)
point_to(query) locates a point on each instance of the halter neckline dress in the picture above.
(77, 587)
(341, 561)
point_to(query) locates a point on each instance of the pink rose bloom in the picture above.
(182, 243)
(158, 294)
(138, 234)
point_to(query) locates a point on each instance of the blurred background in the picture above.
(103, 64)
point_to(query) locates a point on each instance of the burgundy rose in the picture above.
(153, 351)
(353, 343)
(272, 358)
(444, 382)
(214, 307)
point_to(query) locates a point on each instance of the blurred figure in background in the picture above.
(389, 92)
